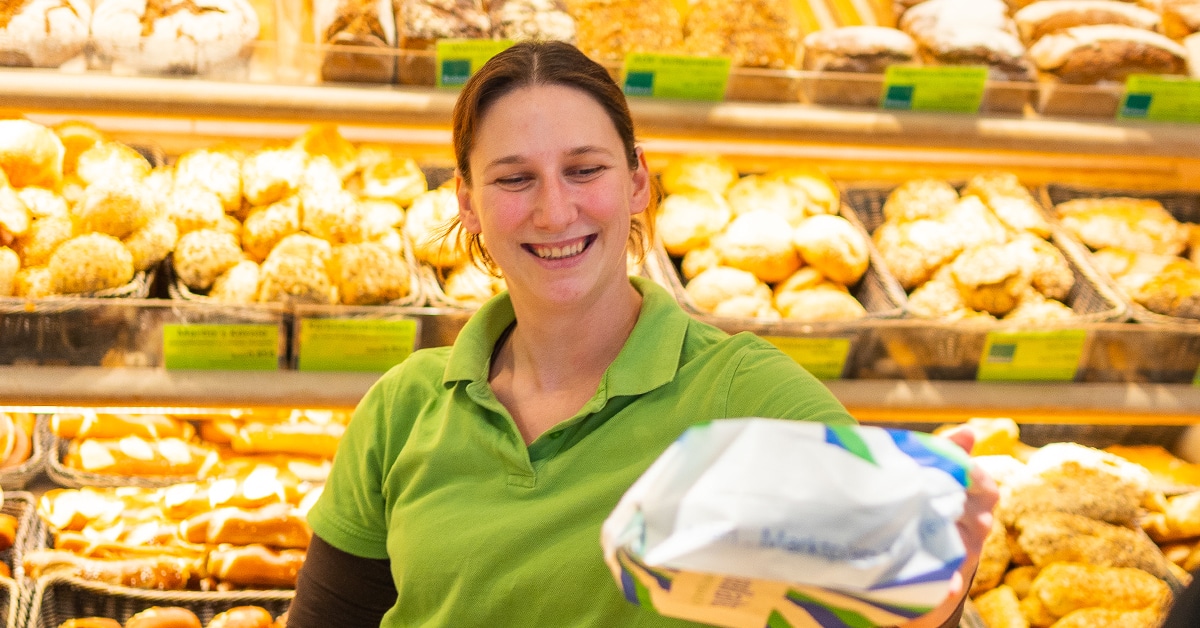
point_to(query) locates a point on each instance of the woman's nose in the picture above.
(555, 208)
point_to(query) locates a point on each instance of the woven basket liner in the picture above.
(59, 597)
(1184, 206)
(176, 289)
(30, 535)
(18, 477)
(878, 292)
(75, 478)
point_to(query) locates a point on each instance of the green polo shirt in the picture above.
(484, 531)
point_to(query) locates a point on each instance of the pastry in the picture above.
(272, 174)
(108, 161)
(1049, 271)
(429, 214)
(266, 226)
(90, 263)
(913, 250)
(1010, 201)
(193, 207)
(821, 195)
(297, 271)
(698, 260)
(866, 49)
(152, 243)
(1091, 54)
(214, 170)
(43, 33)
(759, 242)
(14, 217)
(721, 283)
(1142, 225)
(968, 32)
(333, 215)
(989, 278)
(1180, 18)
(689, 219)
(43, 203)
(175, 36)
(10, 263)
(239, 284)
(326, 146)
(919, 198)
(76, 136)
(470, 285)
(756, 34)
(391, 176)
(760, 192)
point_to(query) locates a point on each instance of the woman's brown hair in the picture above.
(532, 63)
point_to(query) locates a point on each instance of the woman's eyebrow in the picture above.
(574, 152)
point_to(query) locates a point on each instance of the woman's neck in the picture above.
(553, 348)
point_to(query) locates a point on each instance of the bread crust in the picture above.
(1091, 54)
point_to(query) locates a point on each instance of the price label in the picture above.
(458, 59)
(1161, 99)
(957, 89)
(825, 358)
(1032, 355)
(359, 345)
(221, 347)
(675, 76)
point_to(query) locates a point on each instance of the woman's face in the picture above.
(552, 194)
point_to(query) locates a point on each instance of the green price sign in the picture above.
(825, 358)
(458, 59)
(1161, 99)
(359, 345)
(221, 347)
(675, 76)
(1032, 355)
(957, 89)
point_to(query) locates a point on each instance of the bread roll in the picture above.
(14, 217)
(202, 255)
(833, 246)
(1000, 608)
(1091, 54)
(919, 198)
(89, 424)
(256, 566)
(1142, 225)
(913, 250)
(1051, 16)
(707, 171)
(136, 456)
(90, 263)
(90, 622)
(30, 154)
(1010, 201)
(689, 219)
(306, 439)
(275, 525)
(759, 242)
(764, 192)
(242, 617)
(164, 617)
(721, 283)
(990, 279)
(818, 304)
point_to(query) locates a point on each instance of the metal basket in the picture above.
(74, 478)
(59, 597)
(1184, 206)
(19, 476)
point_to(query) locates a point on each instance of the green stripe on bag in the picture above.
(848, 438)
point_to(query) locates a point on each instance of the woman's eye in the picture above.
(512, 182)
(588, 172)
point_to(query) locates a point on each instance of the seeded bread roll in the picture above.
(868, 49)
(358, 36)
(755, 33)
(610, 29)
(1051, 16)
(175, 36)
(1090, 54)
(43, 33)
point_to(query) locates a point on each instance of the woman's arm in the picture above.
(335, 588)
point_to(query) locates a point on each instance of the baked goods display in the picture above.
(315, 221)
(174, 36)
(864, 50)
(983, 254)
(1069, 546)
(1143, 248)
(356, 37)
(758, 34)
(966, 32)
(81, 222)
(769, 246)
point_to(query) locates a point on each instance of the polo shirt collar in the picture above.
(648, 360)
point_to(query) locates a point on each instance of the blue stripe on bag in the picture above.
(944, 573)
(919, 450)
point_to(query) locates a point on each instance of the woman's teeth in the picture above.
(558, 252)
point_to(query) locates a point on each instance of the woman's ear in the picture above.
(466, 211)
(640, 199)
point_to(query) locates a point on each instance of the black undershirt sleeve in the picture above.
(335, 588)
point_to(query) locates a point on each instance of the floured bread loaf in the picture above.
(868, 49)
(519, 20)
(1051, 16)
(969, 32)
(43, 33)
(174, 36)
(1090, 54)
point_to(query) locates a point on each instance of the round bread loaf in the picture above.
(43, 33)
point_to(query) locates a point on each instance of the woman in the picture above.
(479, 474)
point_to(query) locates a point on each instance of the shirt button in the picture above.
(556, 435)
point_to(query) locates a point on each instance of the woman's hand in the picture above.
(973, 526)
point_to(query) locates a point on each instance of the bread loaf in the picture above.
(357, 38)
(868, 49)
(519, 20)
(1051, 16)
(757, 33)
(1091, 54)
(610, 29)
(969, 32)
(420, 23)
(43, 33)
(175, 36)
(164, 617)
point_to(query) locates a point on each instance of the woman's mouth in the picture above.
(562, 250)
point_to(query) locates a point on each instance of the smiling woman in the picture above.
(470, 487)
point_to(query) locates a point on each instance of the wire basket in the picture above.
(1184, 206)
(59, 597)
(74, 478)
(19, 476)
(13, 595)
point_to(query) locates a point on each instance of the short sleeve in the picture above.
(351, 512)
(768, 383)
